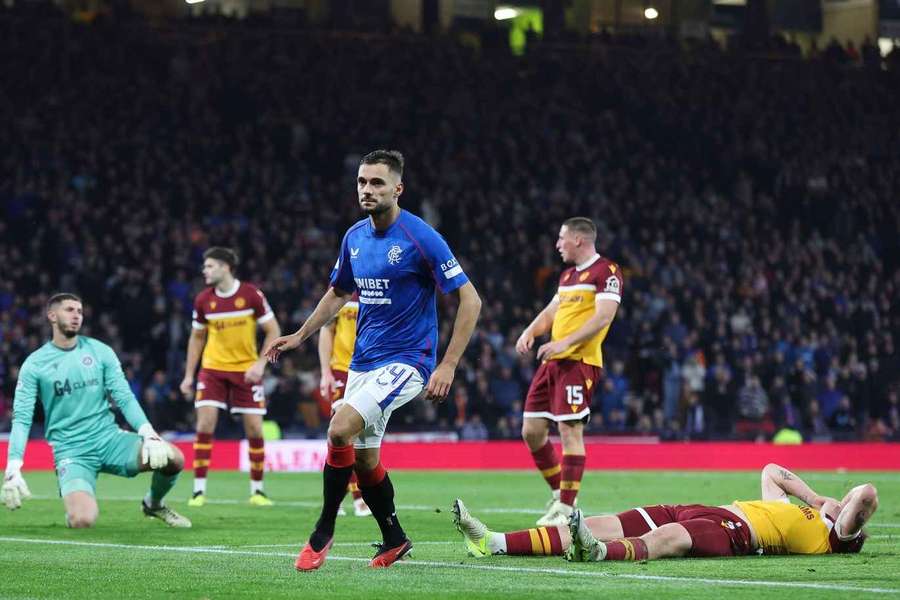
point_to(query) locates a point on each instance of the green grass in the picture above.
(235, 550)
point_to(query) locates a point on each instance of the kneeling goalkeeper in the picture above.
(72, 375)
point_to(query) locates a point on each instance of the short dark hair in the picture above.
(392, 158)
(226, 255)
(582, 225)
(59, 297)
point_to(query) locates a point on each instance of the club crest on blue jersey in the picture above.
(394, 254)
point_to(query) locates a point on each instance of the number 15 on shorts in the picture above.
(575, 395)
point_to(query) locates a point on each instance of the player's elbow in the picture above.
(868, 495)
(770, 468)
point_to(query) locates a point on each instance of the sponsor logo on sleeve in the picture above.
(451, 268)
(354, 253)
(612, 284)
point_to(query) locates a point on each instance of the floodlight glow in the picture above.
(650, 13)
(194, 1)
(503, 13)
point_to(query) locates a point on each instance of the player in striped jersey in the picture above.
(771, 525)
(577, 319)
(336, 341)
(225, 319)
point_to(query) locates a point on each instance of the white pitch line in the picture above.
(454, 565)
(305, 504)
(349, 544)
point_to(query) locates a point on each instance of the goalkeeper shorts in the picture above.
(77, 468)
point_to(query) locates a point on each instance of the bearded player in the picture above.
(72, 375)
(336, 341)
(771, 525)
(577, 319)
(397, 262)
(223, 330)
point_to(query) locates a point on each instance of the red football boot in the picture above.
(309, 559)
(388, 556)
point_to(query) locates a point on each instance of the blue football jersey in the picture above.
(396, 272)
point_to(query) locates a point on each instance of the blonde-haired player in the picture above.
(771, 525)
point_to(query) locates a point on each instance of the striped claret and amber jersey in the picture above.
(344, 335)
(579, 288)
(784, 528)
(231, 319)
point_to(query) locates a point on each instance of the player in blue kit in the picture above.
(71, 375)
(395, 261)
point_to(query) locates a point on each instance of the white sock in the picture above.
(496, 543)
(200, 485)
(255, 486)
(556, 494)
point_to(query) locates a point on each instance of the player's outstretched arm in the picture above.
(778, 483)
(466, 317)
(325, 310)
(859, 505)
(538, 327)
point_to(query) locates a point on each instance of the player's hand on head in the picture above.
(279, 345)
(14, 489)
(439, 383)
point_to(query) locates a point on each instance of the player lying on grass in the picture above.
(72, 375)
(769, 526)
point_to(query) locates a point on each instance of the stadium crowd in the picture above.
(752, 204)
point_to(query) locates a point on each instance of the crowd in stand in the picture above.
(752, 205)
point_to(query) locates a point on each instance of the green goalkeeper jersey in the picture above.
(72, 386)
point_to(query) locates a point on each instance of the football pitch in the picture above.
(236, 550)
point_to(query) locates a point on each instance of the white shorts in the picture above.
(378, 393)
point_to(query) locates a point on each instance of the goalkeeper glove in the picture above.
(154, 451)
(14, 487)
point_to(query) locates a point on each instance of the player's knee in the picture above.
(339, 433)
(176, 463)
(533, 435)
(81, 519)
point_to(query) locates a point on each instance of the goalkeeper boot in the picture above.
(309, 559)
(385, 557)
(475, 533)
(166, 515)
(259, 498)
(584, 547)
(197, 500)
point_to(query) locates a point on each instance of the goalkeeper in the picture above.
(72, 375)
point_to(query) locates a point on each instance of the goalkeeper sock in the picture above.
(160, 485)
(335, 477)
(378, 492)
